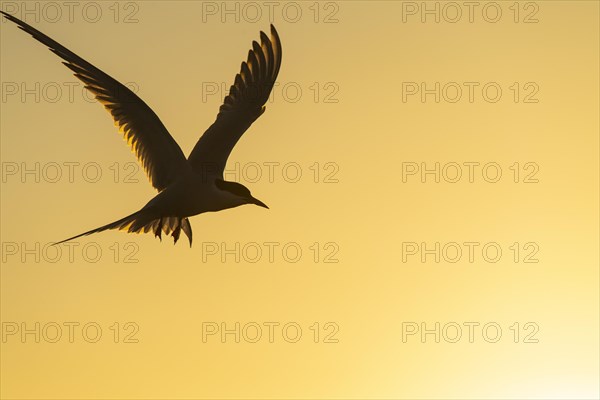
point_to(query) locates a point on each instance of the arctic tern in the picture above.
(191, 186)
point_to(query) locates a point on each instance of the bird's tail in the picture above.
(141, 222)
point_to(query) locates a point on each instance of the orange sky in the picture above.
(386, 208)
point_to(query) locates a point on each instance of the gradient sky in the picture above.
(347, 252)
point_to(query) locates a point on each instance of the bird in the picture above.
(186, 186)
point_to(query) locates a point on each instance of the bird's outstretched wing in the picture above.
(154, 147)
(242, 106)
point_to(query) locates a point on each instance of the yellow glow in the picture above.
(351, 132)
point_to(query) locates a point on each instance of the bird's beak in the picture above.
(259, 203)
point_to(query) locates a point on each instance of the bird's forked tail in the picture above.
(141, 222)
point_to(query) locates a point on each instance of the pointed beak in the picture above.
(259, 203)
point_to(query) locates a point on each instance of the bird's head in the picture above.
(240, 193)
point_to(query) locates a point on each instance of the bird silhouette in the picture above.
(191, 186)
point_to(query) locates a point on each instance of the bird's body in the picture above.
(193, 194)
(189, 186)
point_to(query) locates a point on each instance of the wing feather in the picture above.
(154, 147)
(241, 107)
